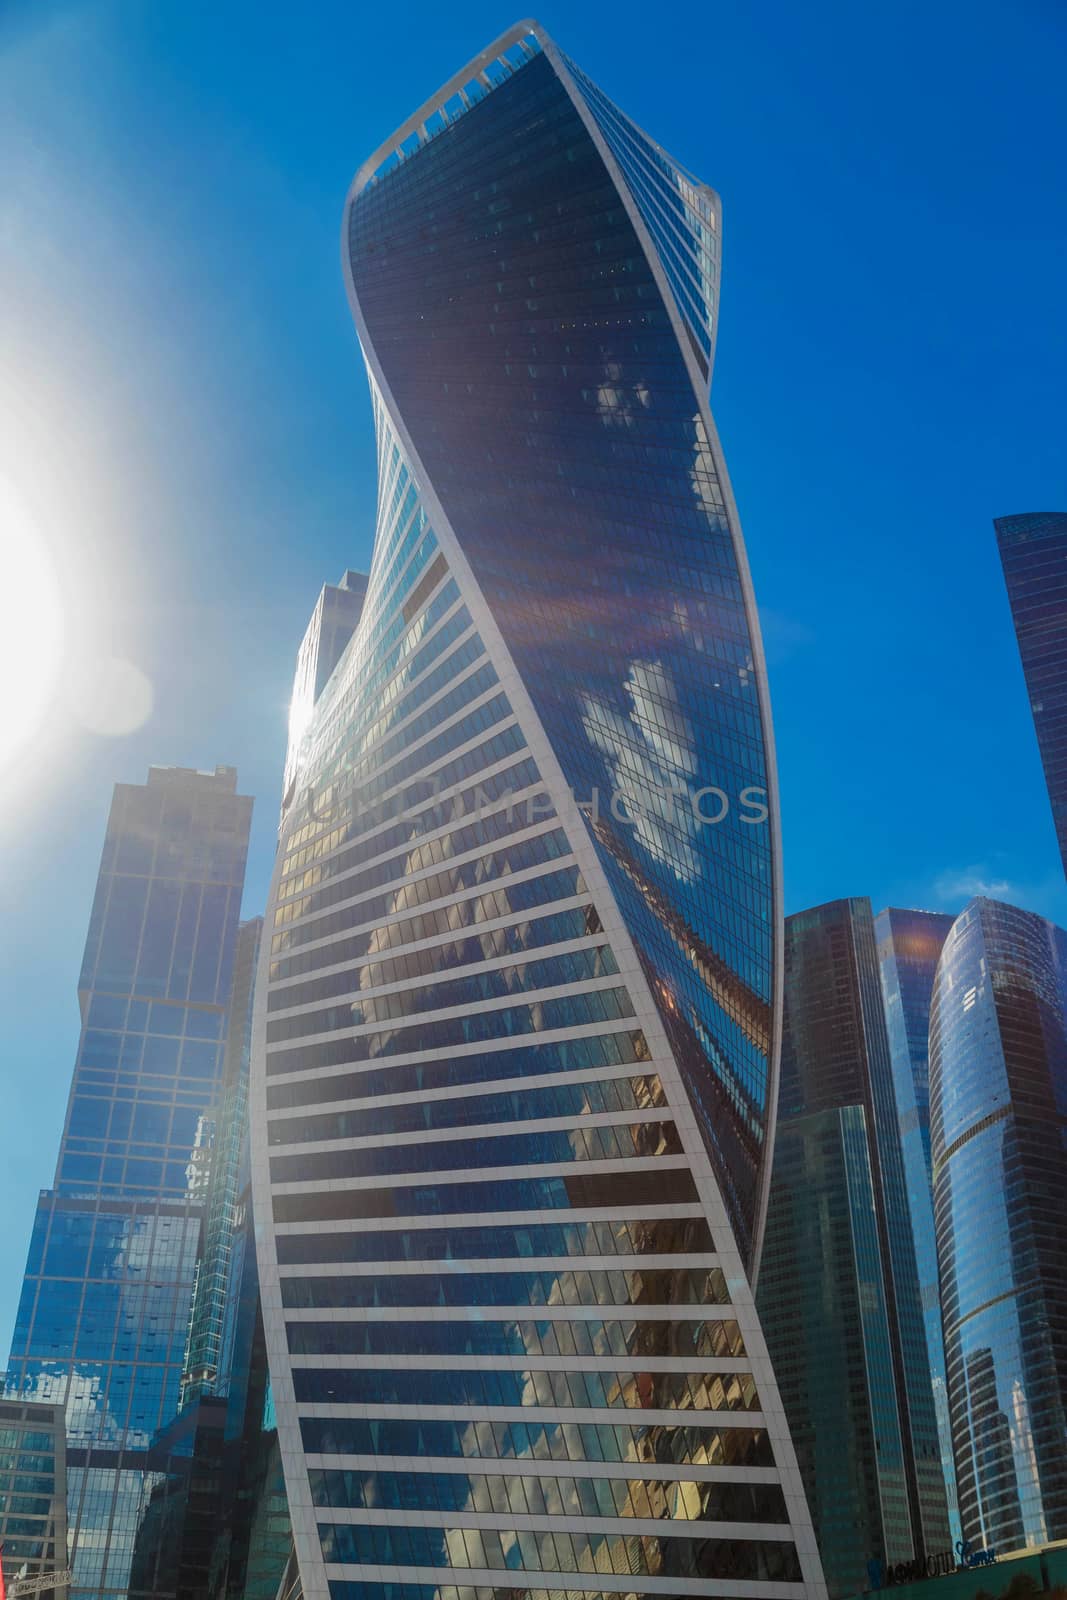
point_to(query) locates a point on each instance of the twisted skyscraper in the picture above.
(515, 1054)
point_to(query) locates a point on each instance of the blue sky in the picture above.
(184, 411)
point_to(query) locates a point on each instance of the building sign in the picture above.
(935, 1566)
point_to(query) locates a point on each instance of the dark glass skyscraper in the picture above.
(998, 1114)
(1033, 552)
(104, 1315)
(516, 1021)
(909, 944)
(839, 1289)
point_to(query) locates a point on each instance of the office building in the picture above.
(236, 1537)
(33, 1491)
(212, 1324)
(1033, 553)
(998, 1103)
(103, 1320)
(333, 622)
(909, 944)
(839, 1289)
(516, 1018)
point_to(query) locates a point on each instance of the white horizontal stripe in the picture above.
(470, 1091)
(477, 1130)
(512, 1467)
(452, 1221)
(650, 1527)
(558, 1264)
(491, 963)
(552, 1169)
(649, 1417)
(481, 1047)
(699, 1366)
(521, 997)
(671, 1312)
(594, 1582)
(471, 930)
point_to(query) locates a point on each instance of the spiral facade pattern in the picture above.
(514, 1063)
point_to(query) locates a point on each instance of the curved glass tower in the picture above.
(514, 1060)
(998, 1109)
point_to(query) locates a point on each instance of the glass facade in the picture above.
(909, 944)
(998, 1110)
(103, 1320)
(839, 1288)
(238, 1549)
(209, 1357)
(333, 622)
(516, 1020)
(33, 1490)
(1033, 553)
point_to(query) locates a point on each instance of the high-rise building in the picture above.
(839, 1288)
(104, 1316)
(909, 944)
(236, 1538)
(33, 1491)
(998, 1111)
(1033, 552)
(333, 622)
(212, 1323)
(516, 1020)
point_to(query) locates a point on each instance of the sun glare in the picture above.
(31, 622)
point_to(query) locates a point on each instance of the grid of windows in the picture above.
(33, 1489)
(839, 1289)
(104, 1315)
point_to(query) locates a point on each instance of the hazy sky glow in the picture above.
(186, 434)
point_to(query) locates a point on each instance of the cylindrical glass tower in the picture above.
(998, 1116)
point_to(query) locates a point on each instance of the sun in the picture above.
(31, 623)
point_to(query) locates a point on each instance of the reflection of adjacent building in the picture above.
(998, 1110)
(103, 1319)
(512, 1067)
(909, 944)
(236, 1538)
(33, 1490)
(838, 1290)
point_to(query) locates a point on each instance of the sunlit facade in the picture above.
(104, 1315)
(514, 1048)
(333, 622)
(998, 1109)
(839, 1287)
(909, 945)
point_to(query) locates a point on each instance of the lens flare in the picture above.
(31, 623)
